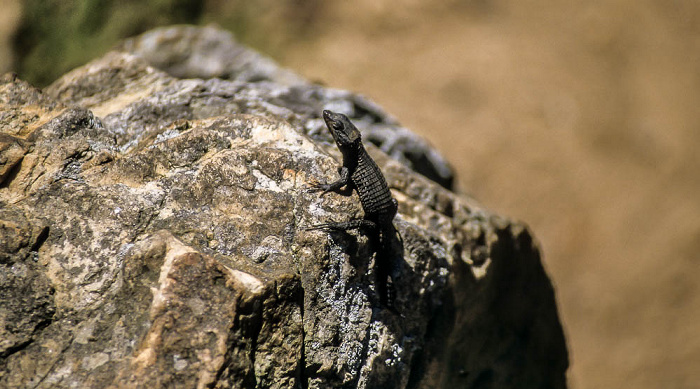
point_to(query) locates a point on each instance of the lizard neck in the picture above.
(352, 151)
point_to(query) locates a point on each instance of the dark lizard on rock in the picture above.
(361, 173)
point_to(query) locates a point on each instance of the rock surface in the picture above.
(152, 233)
(192, 52)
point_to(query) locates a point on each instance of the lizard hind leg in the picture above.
(344, 226)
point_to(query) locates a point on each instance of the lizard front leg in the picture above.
(344, 180)
(344, 226)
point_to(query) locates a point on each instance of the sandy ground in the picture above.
(581, 119)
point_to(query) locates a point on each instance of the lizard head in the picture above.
(344, 132)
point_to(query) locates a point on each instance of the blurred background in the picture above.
(580, 118)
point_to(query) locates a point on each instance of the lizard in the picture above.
(361, 173)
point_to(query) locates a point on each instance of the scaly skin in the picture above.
(361, 173)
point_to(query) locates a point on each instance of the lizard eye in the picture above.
(337, 126)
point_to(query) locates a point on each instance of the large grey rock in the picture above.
(152, 234)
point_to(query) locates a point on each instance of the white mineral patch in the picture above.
(250, 282)
(95, 360)
(179, 363)
(265, 182)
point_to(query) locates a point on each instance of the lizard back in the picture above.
(371, 186)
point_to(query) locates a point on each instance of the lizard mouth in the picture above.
(331, 120)
(329, 117)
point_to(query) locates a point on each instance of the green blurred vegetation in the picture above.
(56, 36)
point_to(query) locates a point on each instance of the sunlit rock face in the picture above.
(153, 233)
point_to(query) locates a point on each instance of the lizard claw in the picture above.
(330, 226)
(316, 186)
(313, 189)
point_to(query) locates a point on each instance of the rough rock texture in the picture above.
(152, 234)
(191, 52)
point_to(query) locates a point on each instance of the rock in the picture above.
(153, 234)
(196, 52)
